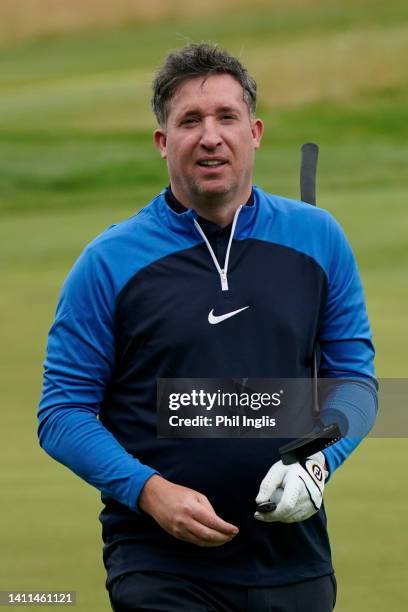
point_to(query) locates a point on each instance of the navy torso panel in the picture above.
(136, 307)
(162, 330)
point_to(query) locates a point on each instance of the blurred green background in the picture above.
(76, 155)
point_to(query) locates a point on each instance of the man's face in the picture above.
(209, 141)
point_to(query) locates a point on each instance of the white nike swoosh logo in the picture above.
(214, 319)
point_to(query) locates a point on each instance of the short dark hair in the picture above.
(195, 60)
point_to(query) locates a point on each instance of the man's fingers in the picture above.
(271, 482)
(286, 504)
(202, 499)
(194, 528)
(191, 538)
(262, 516)
(203, 536)
(185, 514)
(208, 518)
(290, 496)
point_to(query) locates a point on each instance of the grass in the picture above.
(22, 19)
(76, 155)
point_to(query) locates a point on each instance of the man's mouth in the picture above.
(211, 163)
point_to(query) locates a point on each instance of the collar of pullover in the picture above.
(210, 228)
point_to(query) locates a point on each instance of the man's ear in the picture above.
(257, 129)
(160, 141)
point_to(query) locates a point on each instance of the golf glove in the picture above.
(301, 486)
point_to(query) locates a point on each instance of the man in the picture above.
(214, 278)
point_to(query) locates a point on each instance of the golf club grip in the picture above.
(266, 507)
(308, 167)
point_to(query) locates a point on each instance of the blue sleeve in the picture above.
(77, 369)
(347, 353)
(353, 406)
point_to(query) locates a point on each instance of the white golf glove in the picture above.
(297, 489)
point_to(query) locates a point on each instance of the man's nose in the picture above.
(210, 136)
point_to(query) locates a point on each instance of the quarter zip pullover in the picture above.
(136, 307)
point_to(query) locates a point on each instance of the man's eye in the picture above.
(228, 117)
(189, 121)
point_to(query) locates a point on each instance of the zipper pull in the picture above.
(224, 281)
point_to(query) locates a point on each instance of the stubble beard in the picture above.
(212, 196)
(204, 193)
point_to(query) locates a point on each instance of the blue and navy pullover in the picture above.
(135, 307)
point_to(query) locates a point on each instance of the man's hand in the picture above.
(302, 485)
(184, 513)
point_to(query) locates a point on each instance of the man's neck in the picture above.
(221, 213)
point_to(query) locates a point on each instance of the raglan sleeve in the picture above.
(347, 351)
(77, 369)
